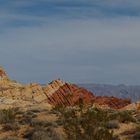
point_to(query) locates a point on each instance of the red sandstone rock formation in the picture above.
(111, 101)
(70, 94)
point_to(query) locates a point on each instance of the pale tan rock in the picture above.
(8, 101)
(53, 87)
(132, 106)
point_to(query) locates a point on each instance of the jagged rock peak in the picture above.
(57, 82)
(54, 86)
(3, 75)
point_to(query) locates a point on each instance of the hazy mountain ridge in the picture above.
(121, 91)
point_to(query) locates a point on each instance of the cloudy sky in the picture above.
(80, 41)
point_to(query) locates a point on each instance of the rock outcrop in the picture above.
(56, 92)
(3, 75)
(112, 102)
(70, 94)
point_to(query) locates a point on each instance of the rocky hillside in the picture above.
(56, 92)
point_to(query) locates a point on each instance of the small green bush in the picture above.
(7, 115)
(10, 126)
(126, 116)
(41, 134)
(122, 116)
(113, 124)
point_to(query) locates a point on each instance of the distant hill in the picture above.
(121, 91)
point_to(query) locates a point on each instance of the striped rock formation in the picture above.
(54, 93)
(70, 94)
(60, 93)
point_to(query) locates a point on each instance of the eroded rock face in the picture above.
(54, 93)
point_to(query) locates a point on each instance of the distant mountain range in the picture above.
(121, 91)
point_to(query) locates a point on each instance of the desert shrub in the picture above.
(137, 133)
(85, 124)
(10, 126)
(137, 116)
(27, 118)
(136, 136)
(41, 134)
(122, 116)
(42, 123)
(113, 124)
(58, 109)
(94, 125)
(59, 122)
(126, 116)
(7, 115)
(10, 138)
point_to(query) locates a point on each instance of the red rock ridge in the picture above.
(112, 102)
(69, 94)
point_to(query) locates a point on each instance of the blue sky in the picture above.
(80, 41)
